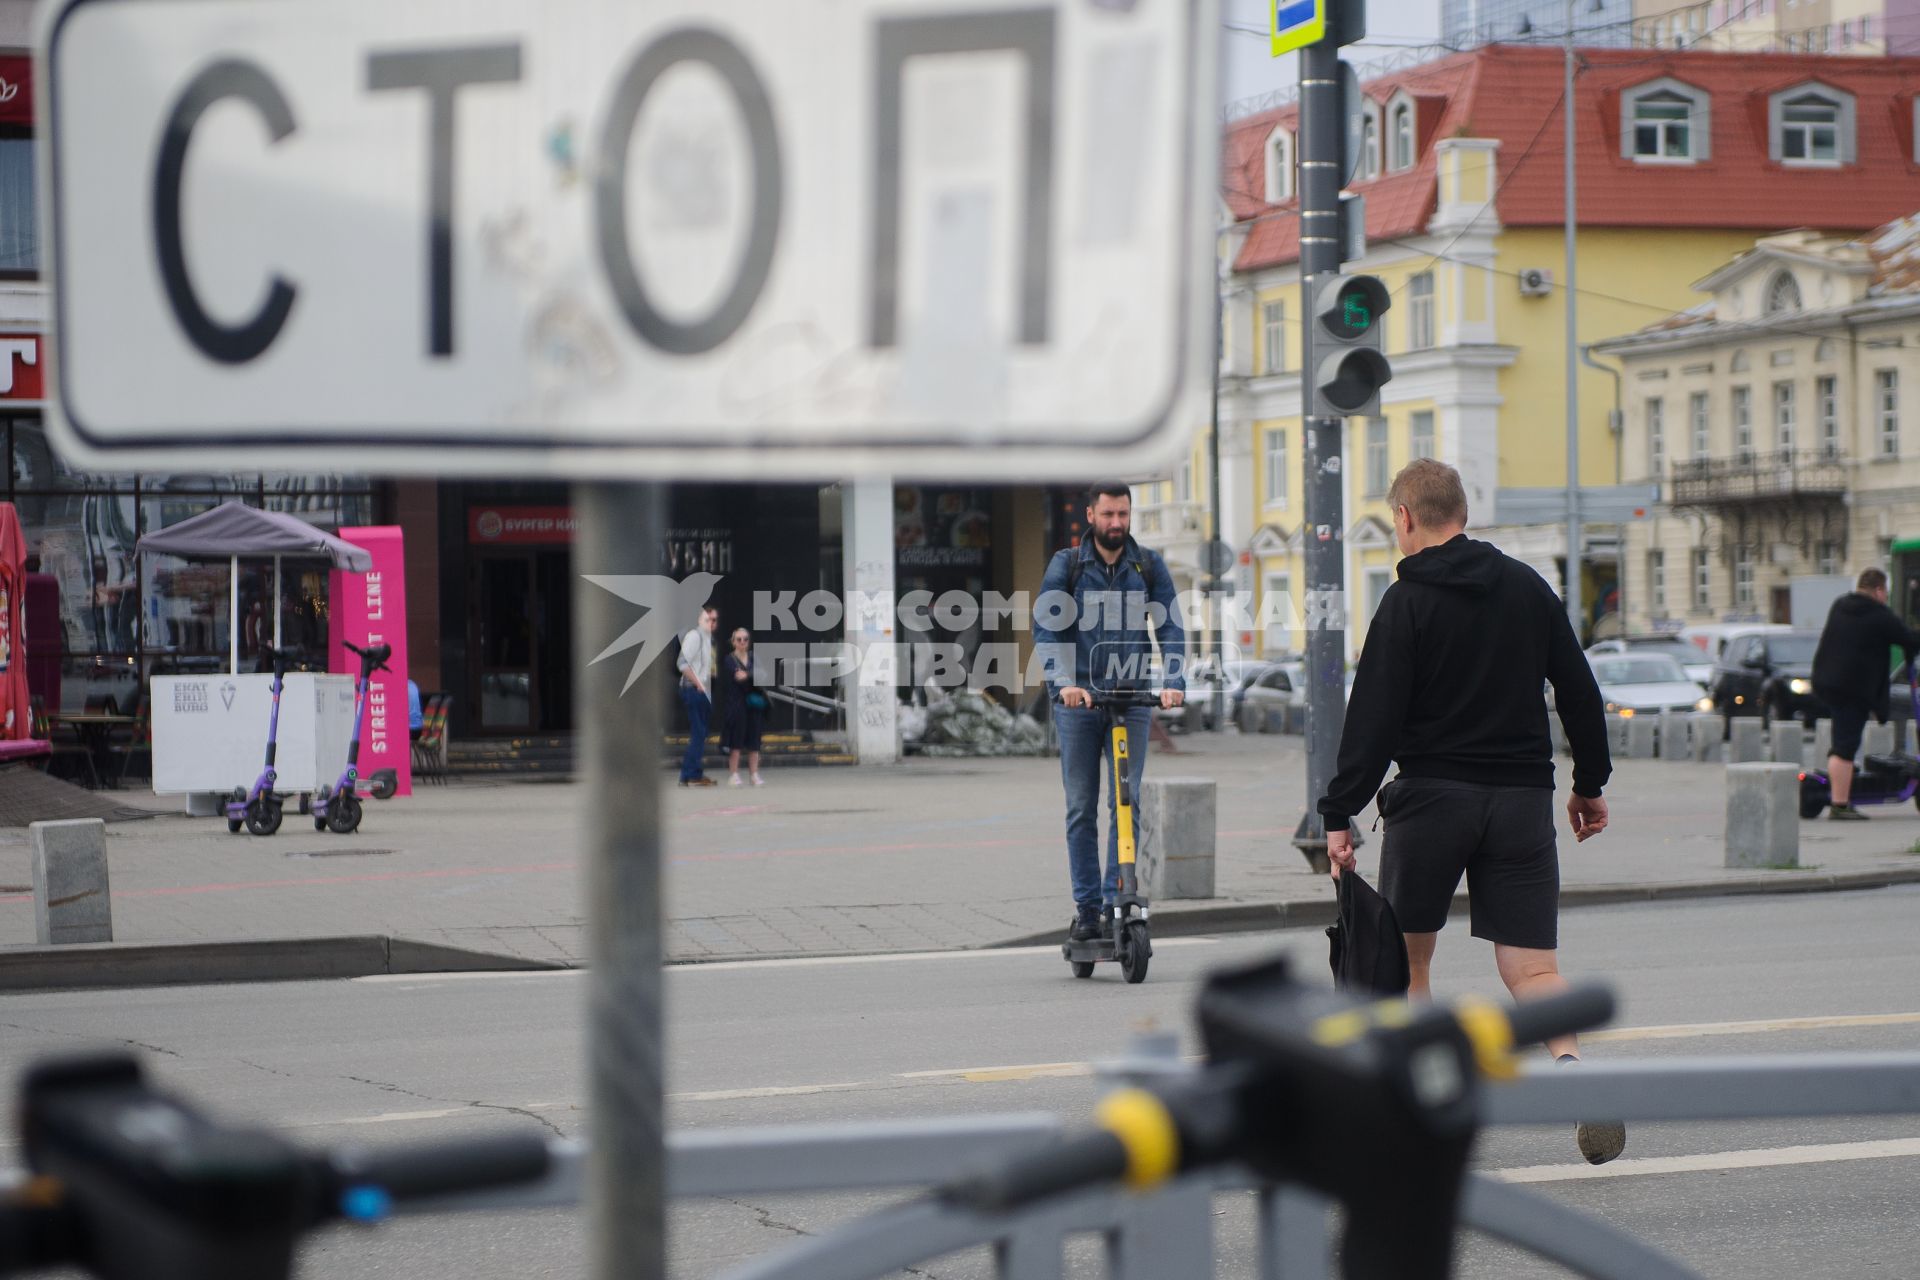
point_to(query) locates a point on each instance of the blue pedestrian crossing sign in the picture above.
(1297, 23)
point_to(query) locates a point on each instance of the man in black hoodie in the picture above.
(1850, 675)
(1451, 686)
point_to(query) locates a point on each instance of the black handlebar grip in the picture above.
(442, 1168)
(1078, 1162)
(1580, 1009)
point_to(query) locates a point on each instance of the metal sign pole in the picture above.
(620, 531)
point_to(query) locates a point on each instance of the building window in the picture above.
(1376, 457)
(1422, 434)
(1276, 468)
(1743, 577)
(1403, 136)
(1273, 334)
(1279, 166)
(1699, 423)
(1277, 609)
(1183, 487)
(1665, 121)
(1783, 416)
(1827, 402)
(1811, 125)
(1420, 311)
(1370, 143)
(19, 238)
(1743, 424)
(1657, 582)
(1826, 558)
(1783, 294)
(1378, 580)
(1886, 398)
(1702, 581)
(1738, 363)
(1656, 438)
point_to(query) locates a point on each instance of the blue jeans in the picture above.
(1085, 751)
(699, 708)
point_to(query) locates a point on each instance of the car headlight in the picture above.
(1705, 704)
(1800, 686)
(1611, 708)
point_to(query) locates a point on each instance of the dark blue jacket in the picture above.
(1106, 632)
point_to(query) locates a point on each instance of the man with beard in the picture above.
(1123, 603)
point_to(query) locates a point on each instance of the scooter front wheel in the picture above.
(343, 814)
(1081, 968)
(234, 824)
(1139, 949)
(263, 819)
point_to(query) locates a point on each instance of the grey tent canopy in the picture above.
(235, 529)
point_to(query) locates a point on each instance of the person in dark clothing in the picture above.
(1850, 675)
(746, 707)
(1450, 685)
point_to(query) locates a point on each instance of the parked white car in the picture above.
(1693, 659)
(1646, 684)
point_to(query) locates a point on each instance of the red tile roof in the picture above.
(1513, 92)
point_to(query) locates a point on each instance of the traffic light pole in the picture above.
(1321, 129)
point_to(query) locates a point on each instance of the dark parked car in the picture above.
(1768, 674)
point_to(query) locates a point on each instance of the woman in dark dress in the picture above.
(746, 706)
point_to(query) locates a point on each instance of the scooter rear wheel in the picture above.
(343, 814)
(1081, 968)
(1133, 961)
(234, 824)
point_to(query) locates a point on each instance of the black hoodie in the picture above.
(1452, 682)
(1850, 665)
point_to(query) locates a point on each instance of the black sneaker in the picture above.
(1086, 928)
(1599, 1140)
(1845, 813)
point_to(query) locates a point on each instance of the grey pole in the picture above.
(620, 533)
(1574, 538)
(1211, 588)
(1326, 588)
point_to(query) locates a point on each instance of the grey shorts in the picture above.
(1501, 838)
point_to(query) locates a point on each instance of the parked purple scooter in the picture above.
(337, 808)
(259, 809)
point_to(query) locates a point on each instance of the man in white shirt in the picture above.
(696, 695)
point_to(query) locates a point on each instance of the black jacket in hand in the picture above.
(1850, 665)
(1452, 682)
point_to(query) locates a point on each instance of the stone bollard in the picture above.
(1822, 744)
(1749, 741)
(1705, 729)
(1877, 740)
(1673, 736)
(1763, 815)
(71, 902)
(1176, 838)
(1296, 719)
(1617, 733)
(1559, 732)
(1247, 716)
(205, 804)
(1195, 718)
(1640, 737)
(1788, 744)
(1273, 720)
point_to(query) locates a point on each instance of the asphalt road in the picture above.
(970, 1033)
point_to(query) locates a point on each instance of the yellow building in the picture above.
(1463, 182)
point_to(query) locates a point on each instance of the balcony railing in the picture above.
(1757, 477)
(1170, 520)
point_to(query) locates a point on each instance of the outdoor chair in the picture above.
(430, 748)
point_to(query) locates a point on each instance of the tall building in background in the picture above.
(1468, 24)
(1860, 27)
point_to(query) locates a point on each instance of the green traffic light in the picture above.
(1354, 313)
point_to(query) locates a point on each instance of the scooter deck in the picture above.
(1091, 951)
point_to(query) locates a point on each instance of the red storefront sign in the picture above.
(20, 367)
(16, 90)
(521, 526)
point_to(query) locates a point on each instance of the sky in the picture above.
(1248, 69)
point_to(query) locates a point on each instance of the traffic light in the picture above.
(1348, 367)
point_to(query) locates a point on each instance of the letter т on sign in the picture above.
(766, 238)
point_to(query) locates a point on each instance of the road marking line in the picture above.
(979, 1075)
(768, 1091)
(1679, 1031)
(1713, 1161)
(893, 957)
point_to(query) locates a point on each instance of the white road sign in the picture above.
(597, 237)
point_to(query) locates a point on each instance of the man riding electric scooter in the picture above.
(1122, 606)
(1850, 675)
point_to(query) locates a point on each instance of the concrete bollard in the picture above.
(71, 900)
(1673, 736)
(1877, 740)
(1749, 741)
(1705, 727)
(1559, 732)
(1195, 718)
(1273, 720)
(1246, 716)
(1176, 838)
(1617, 733)
(1788, 743)
(1640, 737)
(1822, 744)
(205, 804)
(1763, 815)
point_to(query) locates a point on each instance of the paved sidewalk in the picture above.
(932, 854)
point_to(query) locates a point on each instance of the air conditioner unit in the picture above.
(1535, 282)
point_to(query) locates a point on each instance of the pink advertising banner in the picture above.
(371, 608)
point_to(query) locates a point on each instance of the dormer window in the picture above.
(1400, 120)
(1279, 166)
(1665, 122)
(1812, 125)
(1783, 294)
(1370, 157)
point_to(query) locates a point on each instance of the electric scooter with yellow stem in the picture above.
(1128, 941)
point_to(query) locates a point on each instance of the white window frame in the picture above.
(1700, 423)
(1697, 125)
(1183, 483)
(1403, 127)
(1826, 403)
(1702, 580)
(1279, 163)
(1743, 577)
(1657, 582)
(1379, 457)
(1276, 452)
(1656, 418)
(1843, 125)
(1886, 413)
(1422, 443)
(1775, 300)
(1372, 150)
(1276, 582)
(1783, 416)
(1742, 414)
(1273, 337)
(1826, 557)
(1375, 581)
(1420, 308)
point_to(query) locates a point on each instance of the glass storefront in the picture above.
(118, 619)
